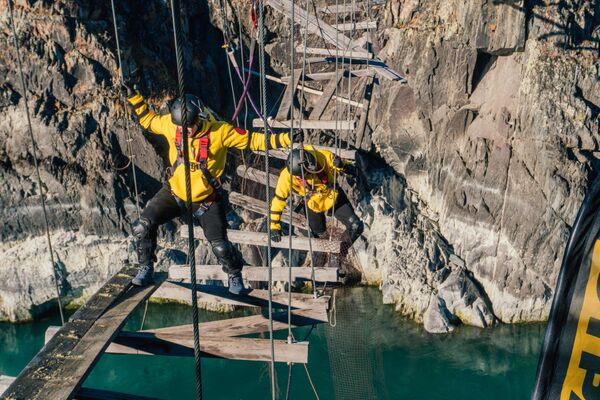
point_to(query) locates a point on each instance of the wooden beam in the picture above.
(249, 325)
(283, 154)
(232, 348)
(288, 97)
(258, 274)
(258, 206)
(376, 65)
(330, 89)
(364, 116)
(356, 26)
(62, 365)
(100, 394)
(323, 76)
(342, 8)
(261, 239)
(180, 292)
(362, 55)
(312, 23)
(257, 175)
(308, 124)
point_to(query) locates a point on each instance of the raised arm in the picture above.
(158, 124)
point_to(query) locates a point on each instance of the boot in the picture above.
(144, 277)
(236, 283)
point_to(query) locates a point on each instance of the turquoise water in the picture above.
(372, 353)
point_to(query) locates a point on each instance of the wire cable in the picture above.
(35, 160)
(176, 19)
(267, 134)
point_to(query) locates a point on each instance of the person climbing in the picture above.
(208, 142)
(313, 176)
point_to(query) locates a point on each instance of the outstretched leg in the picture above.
(354, 228)
(161, 208)
(214, 223)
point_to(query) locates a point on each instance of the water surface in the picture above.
(371, 353)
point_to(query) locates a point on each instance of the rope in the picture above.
(176, 19)
(311, 382)
(35, 161)
(128, 120)
(263, 82)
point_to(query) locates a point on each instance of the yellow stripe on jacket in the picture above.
(321, 196)
(222, 137)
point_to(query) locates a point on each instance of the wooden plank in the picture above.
(251, 324)
(364, 116)
(180, 292)
(257, 175)
(288, 97)
(76, 367)
(283, 154)
(362, 55)
(323, 76)
(232, 348)
(342, 8)
(312, 23)
(330, 89)
(261, 239)
(258, 206)
(308, 124)
(356, 26)
(31, 383)
(258, 274)
(376, 65)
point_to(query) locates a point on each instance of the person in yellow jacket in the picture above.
(313, 176)
(208, 142)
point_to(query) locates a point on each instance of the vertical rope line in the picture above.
(176, 19)
(267, 134)
(128, 120)
(290, 197)
(35, 161)
(337, 109)
(244, 77)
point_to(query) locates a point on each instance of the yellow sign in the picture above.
(582, 381)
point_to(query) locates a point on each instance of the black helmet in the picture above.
(193, 107)
(300, 158)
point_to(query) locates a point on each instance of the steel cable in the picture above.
(35, 160)
(176, 19)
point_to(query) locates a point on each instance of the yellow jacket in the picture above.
(320, 194)
(222, 137)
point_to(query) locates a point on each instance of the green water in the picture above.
(371, 353)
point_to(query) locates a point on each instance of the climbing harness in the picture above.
(35, 160)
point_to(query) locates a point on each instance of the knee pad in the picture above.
(141, 228)
(227, 255)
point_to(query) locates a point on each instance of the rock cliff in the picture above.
(473, 169)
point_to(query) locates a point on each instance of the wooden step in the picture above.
(323, 76)
(232, 348)
(362, 55)
(180, 292)
(80, 342)
(5, 382)
(259, 207)
(261, 239)
(283, 153)
(249, 325)
(356, 26)
(257, 274)
(257, 175)
(308, 124)
(182, 345)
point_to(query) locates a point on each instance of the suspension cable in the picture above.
(35, 160)
(128, 120)
(176, 19)
(267, 134)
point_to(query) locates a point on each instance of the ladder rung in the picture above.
(308, 124)
(259, 274)
(261, 239)
(180, 292)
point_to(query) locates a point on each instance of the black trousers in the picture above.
(164, 206)
(343, 212)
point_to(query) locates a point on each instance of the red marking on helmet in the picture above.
(241, 131)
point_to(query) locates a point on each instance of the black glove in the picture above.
(338, 162)
(131, 82)
(297, 136)
(130, 89)
(275, 235)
